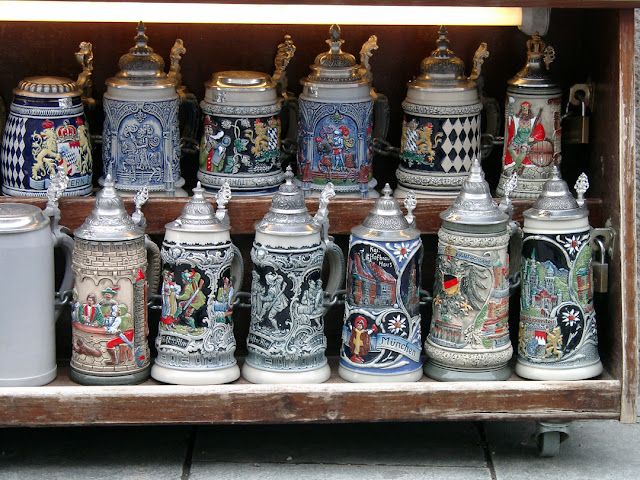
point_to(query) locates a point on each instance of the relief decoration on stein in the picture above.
(104, 333)
(341, 149)
(287, 329)
(529, 146)
(382, 327)
(196, 328)
(240, 145)
(557, 313)
(142, 130)
(471, 299)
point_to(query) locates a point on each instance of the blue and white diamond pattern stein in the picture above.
(286, 340)
(201, 272)
(469, 335)
(28, 236)
(46, 128)
(141, 136)
(242, 129)
(109, 323)
(441, 126)
(381, 340)
(532, 135)
(336, 125)
(557, 335)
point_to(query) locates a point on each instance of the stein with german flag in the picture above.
(469, 334)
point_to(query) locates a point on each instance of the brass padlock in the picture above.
(575, 128)
(600, 269)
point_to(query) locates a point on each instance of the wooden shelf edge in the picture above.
(65, 403)
(344, 213)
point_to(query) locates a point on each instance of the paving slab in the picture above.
(96, 453)
(596, 449)
(446, 444)
(230, 471)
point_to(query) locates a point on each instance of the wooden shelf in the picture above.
(609, 160)
(344, 213)
(66, 403)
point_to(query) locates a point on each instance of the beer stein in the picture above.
(141, 135)
(109, 316)
(441, 126)
(46, 128)
(381, 339)
(286, 340)
(335, 129)
(241, 140)
(469, 334)
(557, 336)
(27, 240)
(201, 272)
(532, 123)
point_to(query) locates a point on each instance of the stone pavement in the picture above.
(597, 449)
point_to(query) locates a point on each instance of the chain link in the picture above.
(63, 298)
(385, 148)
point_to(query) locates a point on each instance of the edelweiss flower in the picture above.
(570, 317)
(396, 325)
(245, 123)
(401, 251)
(573, 244)
(226, 123)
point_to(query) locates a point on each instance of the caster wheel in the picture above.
(548, 444)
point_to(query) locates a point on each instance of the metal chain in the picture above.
(385, 148)
(63, 298)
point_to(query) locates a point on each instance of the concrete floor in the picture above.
(597, 449)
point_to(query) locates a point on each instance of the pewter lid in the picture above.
(442, 67)
(535, 73)
(21, 217)
(288, 214)
(141, 66)
(474, 209)
(242, 86)
(108, 220)
(47, 87)
(198, 215)
(241, 80)
(556, 202)
(335, 65)
(386, 220)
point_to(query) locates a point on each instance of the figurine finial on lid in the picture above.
(410, 203)
(139, 200)
(365, 54)
(581, 186)
(59, 182)
(222, 198)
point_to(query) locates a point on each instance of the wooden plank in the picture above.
(344, 213)
(64, 403)
(628, 239)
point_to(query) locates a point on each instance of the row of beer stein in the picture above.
(241, 140)
(381, 338)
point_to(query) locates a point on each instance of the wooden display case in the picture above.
(594, 43)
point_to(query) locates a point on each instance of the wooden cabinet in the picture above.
(594, 44)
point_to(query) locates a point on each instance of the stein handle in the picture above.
(62, 240)
(515, 256)
(381, 115)
(189, 119)
(237, 269)
(290, 114)
(334, 255)
(492, 121)
(153, 264)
